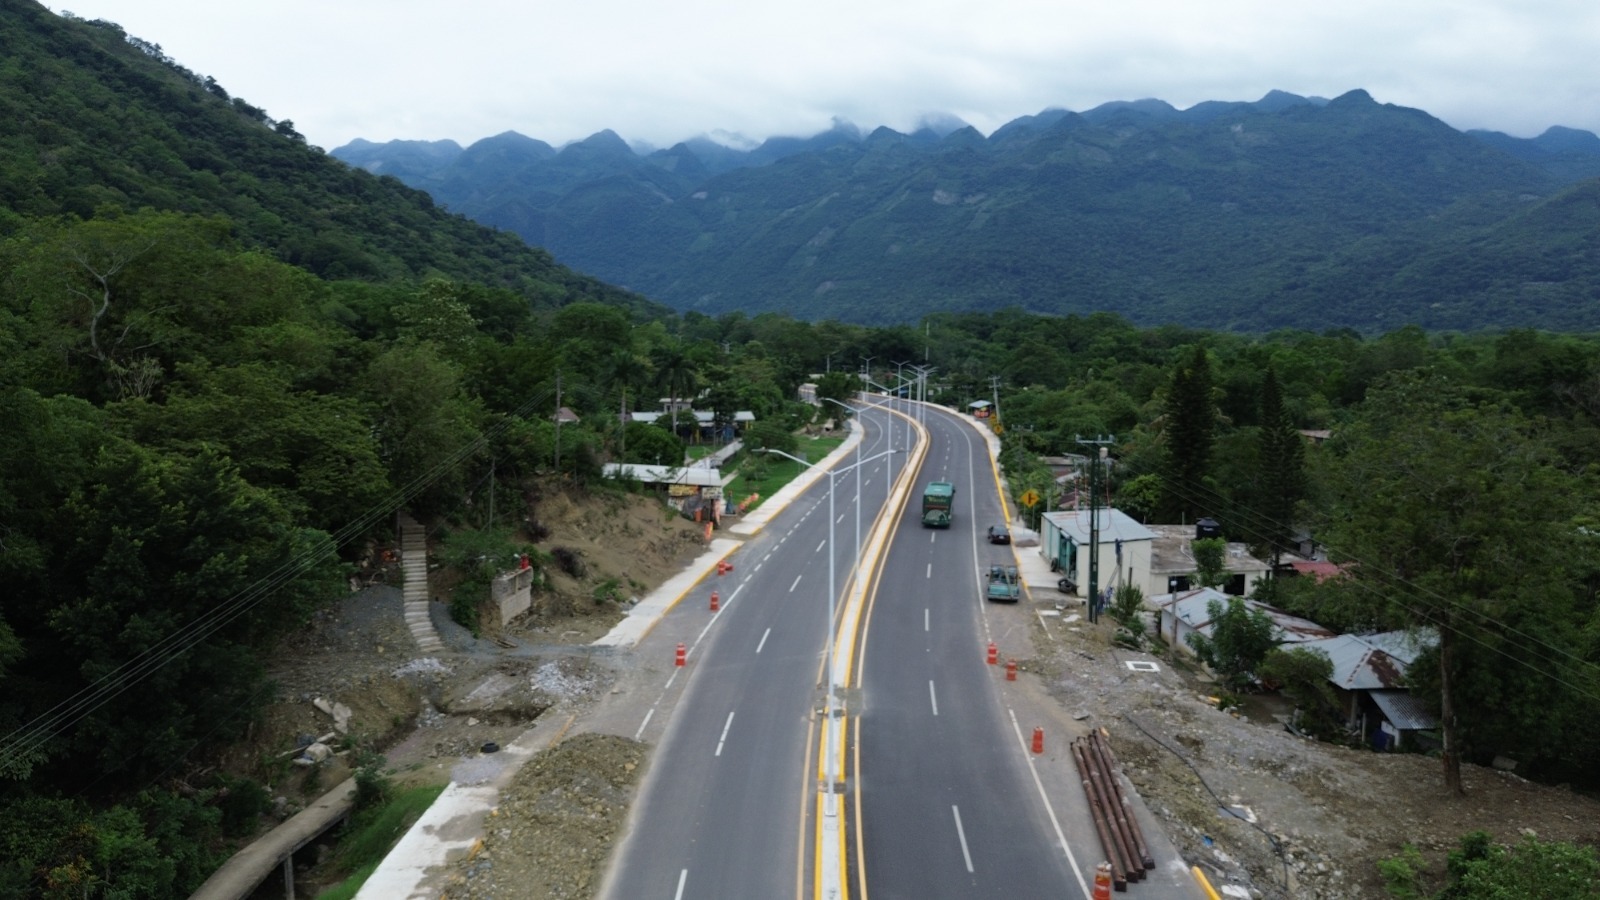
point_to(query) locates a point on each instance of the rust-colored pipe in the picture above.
(1108, 760)
(1134, 868)
(1118, 879)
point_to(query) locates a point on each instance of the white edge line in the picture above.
(1077, 871)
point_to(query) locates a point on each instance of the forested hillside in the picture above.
(100, 119)
(1285, 212)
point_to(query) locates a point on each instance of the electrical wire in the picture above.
(1405, 590)
(28, 739)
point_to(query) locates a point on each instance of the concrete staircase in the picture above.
(414, 560)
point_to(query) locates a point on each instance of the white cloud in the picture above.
(659, 73)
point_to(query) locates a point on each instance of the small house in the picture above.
(695, 491)
(1124, 547)
(1172, 562)
(1369, 680)
(1189, 612)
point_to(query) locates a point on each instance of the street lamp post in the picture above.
(858, 482)
(832, 735)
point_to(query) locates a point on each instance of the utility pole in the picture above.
(558, 424)
(994, 384)
(1095, 457)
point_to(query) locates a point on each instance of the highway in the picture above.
(947, 804)
(724, 810)
(942, 797)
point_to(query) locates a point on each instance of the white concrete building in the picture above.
(1064, 539)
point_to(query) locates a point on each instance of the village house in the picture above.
(696, 491)
(1124, 551)
(1172, 564)
(1369, 680)
(1189, 612)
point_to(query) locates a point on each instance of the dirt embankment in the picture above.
(431, 716)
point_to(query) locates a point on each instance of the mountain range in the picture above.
(1286, 212)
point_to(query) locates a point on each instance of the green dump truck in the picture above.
(938, 501)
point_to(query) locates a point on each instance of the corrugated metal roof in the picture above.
(696, 476)
(1114, 525)
(1405, 646)
(1404, 711)
(1358, 665)
(1193, 609)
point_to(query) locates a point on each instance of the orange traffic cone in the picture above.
(681, 657)
(1102, 882)
(715, 601)
(994, 653)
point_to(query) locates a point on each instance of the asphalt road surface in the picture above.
(725, 809)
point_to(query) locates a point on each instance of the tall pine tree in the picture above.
(1191, 422)
(1280, 473)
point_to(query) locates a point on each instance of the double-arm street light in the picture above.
(832, 590)
(854, 411)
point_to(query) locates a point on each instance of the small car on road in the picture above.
(999, 534)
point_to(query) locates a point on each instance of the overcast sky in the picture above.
(660, 72)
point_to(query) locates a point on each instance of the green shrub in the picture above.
(242, 801)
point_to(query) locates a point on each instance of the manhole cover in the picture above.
(1143, 665)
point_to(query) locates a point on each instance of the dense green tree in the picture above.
(314, 450)
(1240, 639)
(651, 445)
(1302, 676)
(155, 597)
(1456, 518)
(1188, 434)
(676, 375)
(423, 423)
(770, 435)
(1280, 480)
(834, 391)
(1210, 561)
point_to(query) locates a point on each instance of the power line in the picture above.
(29, 738)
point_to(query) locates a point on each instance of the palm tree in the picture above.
(622, 370)
(676, 374)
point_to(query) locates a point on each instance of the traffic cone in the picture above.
(682, 656)
(715, 600)
(994, 653)
(1011, 670)
(1038, 740)
(1102, 882)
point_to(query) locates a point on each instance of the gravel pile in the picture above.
(556, 823)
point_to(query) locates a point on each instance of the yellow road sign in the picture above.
(1029, 498)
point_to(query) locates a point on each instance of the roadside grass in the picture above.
(372, 833)
(764, 473)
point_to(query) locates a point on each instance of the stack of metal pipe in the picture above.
(1119, 830)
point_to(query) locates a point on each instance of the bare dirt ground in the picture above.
(1309, 820)
(432, 716)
